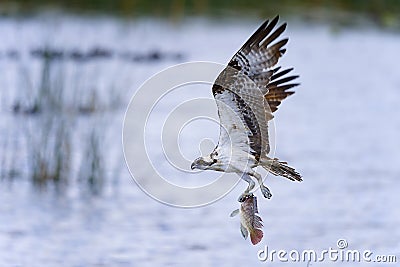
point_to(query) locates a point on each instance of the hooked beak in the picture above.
(193, 166)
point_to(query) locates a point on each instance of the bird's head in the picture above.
(204, 163)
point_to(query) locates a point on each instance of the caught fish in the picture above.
(250, 222)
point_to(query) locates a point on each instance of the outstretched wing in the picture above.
(249, 89)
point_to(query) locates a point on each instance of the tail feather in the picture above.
(255, 236)
(280, 168)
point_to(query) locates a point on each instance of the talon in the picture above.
(266, 193)
(244, 196)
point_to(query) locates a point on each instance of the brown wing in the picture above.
(241, 113)
(256, 59)
(278, 88)
(250, 89)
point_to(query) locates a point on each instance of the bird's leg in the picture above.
(246, 193)
(265, 191)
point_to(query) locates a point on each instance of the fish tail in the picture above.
(256, 235)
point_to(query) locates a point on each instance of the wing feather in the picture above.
(250, 89)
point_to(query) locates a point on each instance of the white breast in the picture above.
(235, 159)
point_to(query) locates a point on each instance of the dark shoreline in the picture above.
(382, 13)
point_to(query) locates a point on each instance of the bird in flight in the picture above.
(247, 93)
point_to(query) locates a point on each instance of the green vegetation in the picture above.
(163, 7)
(381, 12)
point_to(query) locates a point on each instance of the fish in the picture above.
(250, 221)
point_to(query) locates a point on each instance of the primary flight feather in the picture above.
(247, 93)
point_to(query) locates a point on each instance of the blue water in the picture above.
(340, 130)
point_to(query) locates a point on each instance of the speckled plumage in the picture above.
(247, 92)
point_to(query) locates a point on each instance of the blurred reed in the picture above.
(92, 172)
(62, 120)
(8, 164)
(49, 150)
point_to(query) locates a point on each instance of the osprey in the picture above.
(247, 93)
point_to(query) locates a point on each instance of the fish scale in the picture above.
(250, 221)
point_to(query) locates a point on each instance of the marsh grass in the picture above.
(92, 169)
(8, 164)
(46, 96)
(49, 150)
(47, 134)
(59, 90)
(52, 107)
